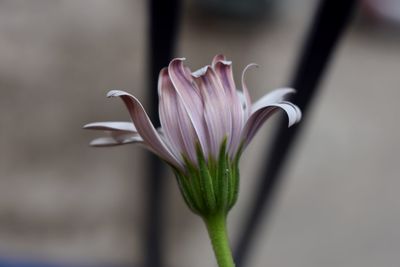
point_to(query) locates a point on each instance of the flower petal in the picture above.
(111, 126)
(247, 108)
(113, 141)
(298, 111)
(144, 127)
(223, 70)
(275, 96)
(175, 122)
(217, 116)
(217, 58)
(259, 116)
(190, 98)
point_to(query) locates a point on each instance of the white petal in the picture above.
(112, 141)
(275, 96)
(246, 91)
(259, 116)
(200, 72)
(111, 126)
(123, 136)
(298, 111)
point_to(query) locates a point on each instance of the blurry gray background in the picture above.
(63, 201)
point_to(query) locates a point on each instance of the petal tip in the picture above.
(176, 64)
(253, 65)
(87, 126)
(201, 72)
(177, 59)
(115, 93)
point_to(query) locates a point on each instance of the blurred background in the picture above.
(62, 201)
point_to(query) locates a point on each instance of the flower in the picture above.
(205, 125)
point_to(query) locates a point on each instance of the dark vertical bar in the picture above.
(163, 27)
(328, 25)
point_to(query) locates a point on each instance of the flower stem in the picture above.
(216, 226)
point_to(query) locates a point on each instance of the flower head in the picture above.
(206, 122)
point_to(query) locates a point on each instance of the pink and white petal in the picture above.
(217, 116)
(190, 96)
(276, 96)
(258, 117)
(144, 127)
(188, 133)
(175, 122)
(111, 126)
(223, 70)
(167, 113)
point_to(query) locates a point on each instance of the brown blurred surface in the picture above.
(61, 200)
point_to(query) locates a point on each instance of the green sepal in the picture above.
(210, 186)
(206, 181)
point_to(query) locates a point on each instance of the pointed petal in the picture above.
(190, 97)
(111, 126)
(275, 96)
(144, 127)
(259, 116)
(175, 122)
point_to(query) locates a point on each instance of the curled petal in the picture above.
(246, 91)
(111, 126)
(217, 58)
(175, 122)
(200, 72)
(190, 98)
(298, 111)
(216, 114)
(144, 127)
(223, 70)
(259, 116)
(275, 96)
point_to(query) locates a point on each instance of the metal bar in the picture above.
(329, 23)
(163, 27)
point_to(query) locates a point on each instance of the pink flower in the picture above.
(199, 111)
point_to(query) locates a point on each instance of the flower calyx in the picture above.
(210, 187)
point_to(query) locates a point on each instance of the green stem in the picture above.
(216, 226)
